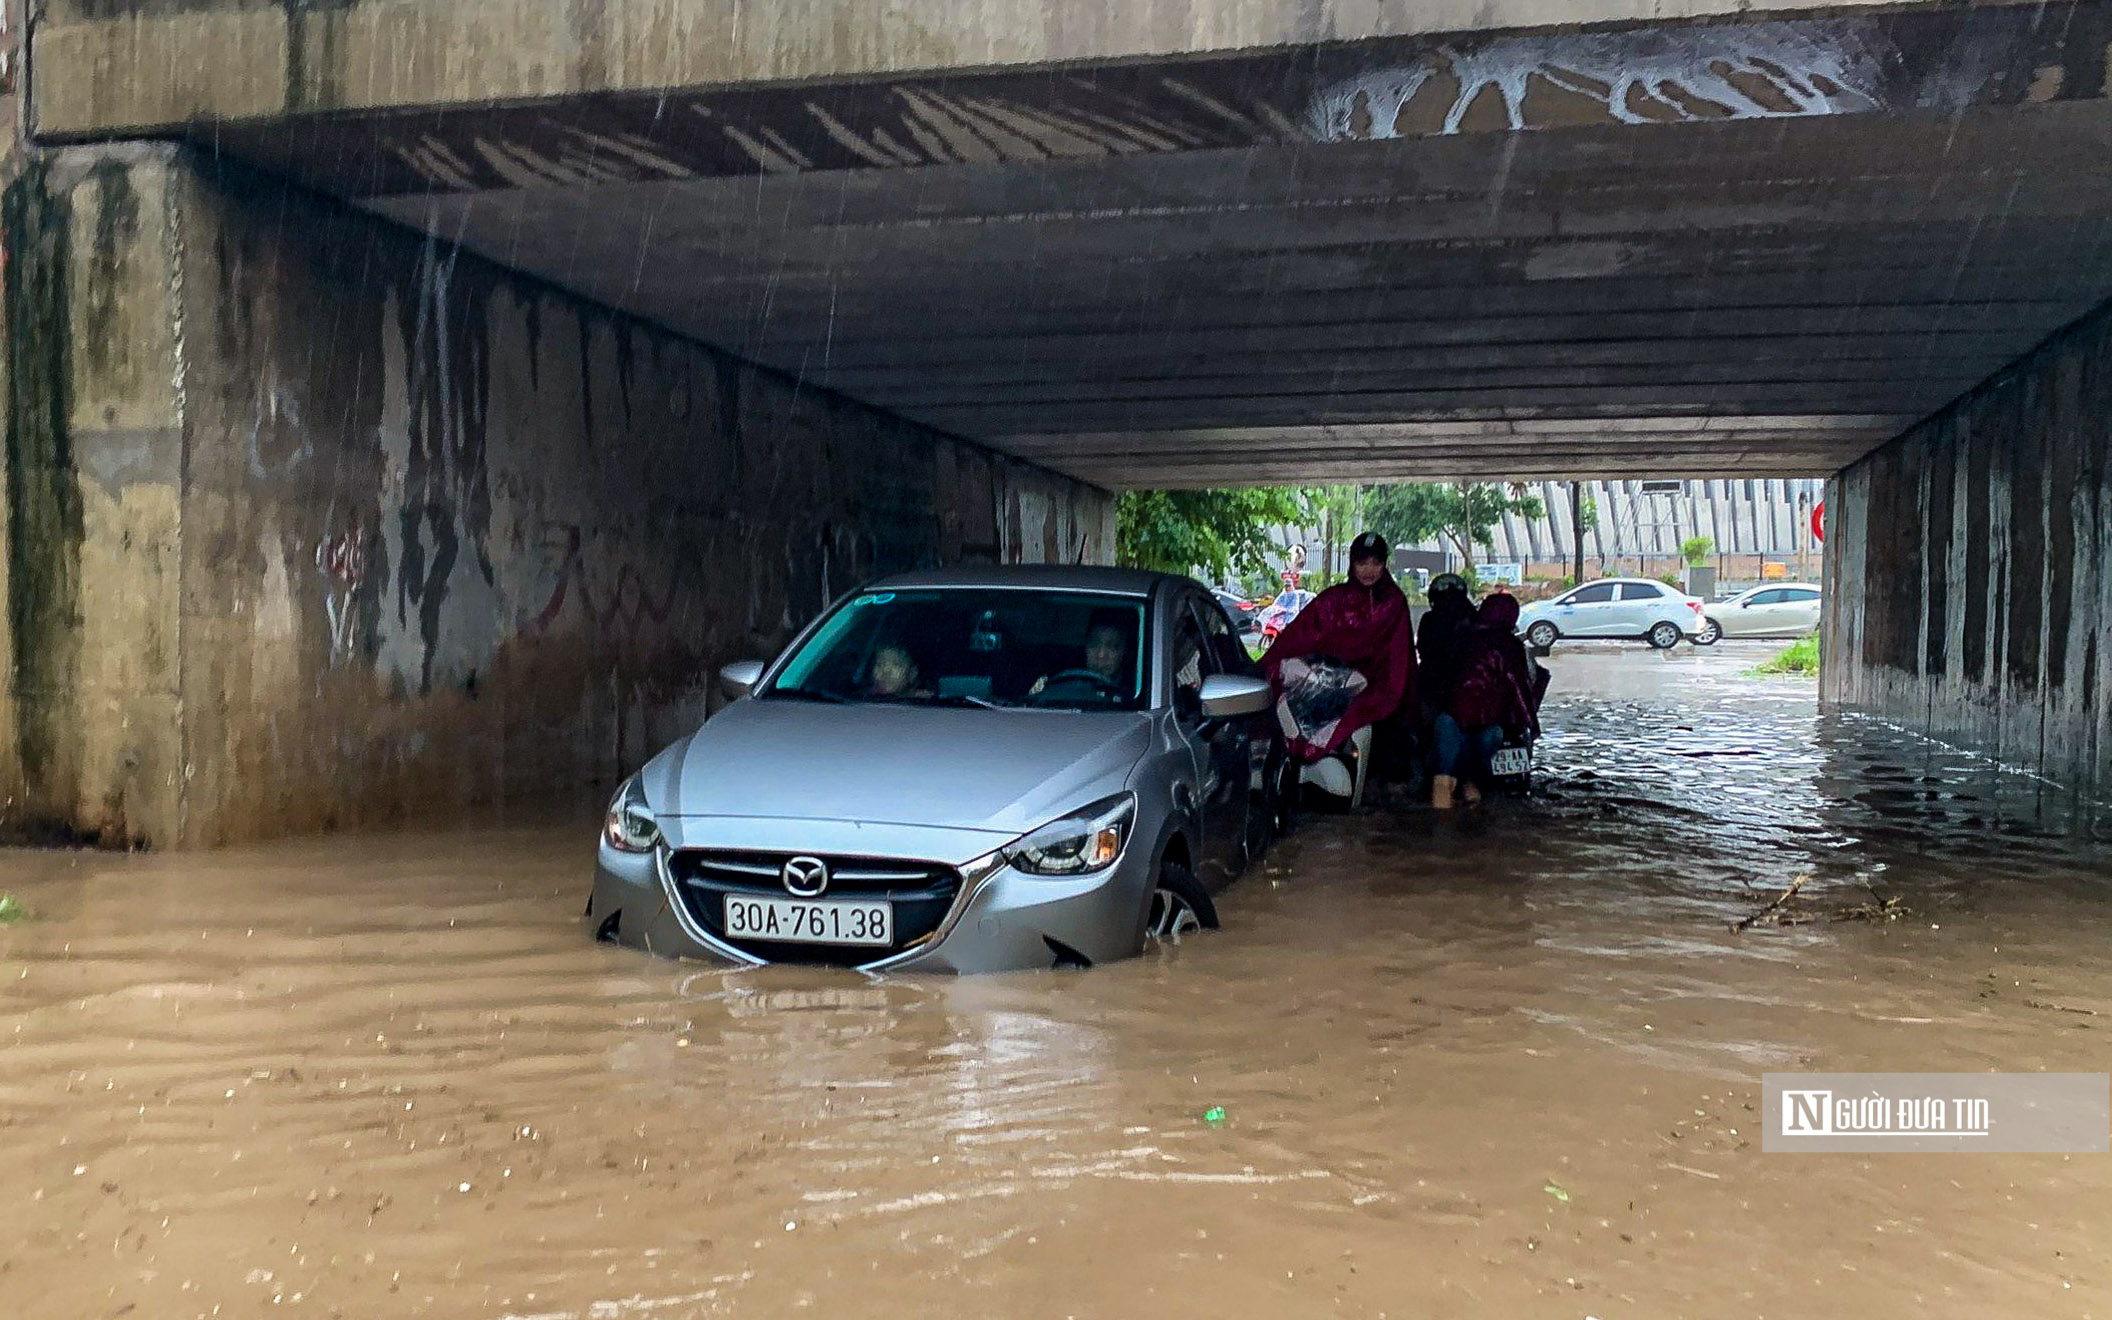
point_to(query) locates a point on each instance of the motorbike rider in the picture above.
(1438, 640)
(1353, 640)
(1494, 696)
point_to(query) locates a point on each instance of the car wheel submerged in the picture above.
(1710, 634)
(1542, 635)
(1664, 636)
(1290, 792)
(1179, 906)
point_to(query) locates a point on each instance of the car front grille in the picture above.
(922, 894)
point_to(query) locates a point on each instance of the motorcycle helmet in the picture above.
(1369, 545)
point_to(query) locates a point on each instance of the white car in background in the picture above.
(1780, 610)
(1631, 609)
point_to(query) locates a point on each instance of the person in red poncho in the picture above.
(1347, 660)
(1494, 696)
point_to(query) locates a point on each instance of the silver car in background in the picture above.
(1639, 609)
(1780, 609)
(966, 770)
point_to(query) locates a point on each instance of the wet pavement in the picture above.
(1500, 1063)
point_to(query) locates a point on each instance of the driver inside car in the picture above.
(894, 674)
(1106, 658)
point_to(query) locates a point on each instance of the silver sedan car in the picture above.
(966, 770)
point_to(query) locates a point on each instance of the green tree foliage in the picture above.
(1463, 513)
(1336, 515)
(1212, 532)
(1696, 550)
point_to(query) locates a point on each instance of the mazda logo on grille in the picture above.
(805, 877)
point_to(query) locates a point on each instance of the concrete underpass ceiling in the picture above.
(1742, 249)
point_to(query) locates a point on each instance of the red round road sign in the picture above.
(1818, 521)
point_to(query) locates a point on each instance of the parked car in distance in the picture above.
(1245, 615)
(1281, 612)
(1769, 611)
(960, 771)
(1629, 609)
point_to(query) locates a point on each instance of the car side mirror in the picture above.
(740, 677)
(1227, 696)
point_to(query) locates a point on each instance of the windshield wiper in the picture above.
(810, 694)
(962, 699)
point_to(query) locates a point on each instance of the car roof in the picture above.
(1045, 577)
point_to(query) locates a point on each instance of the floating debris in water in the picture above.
(1783, 910)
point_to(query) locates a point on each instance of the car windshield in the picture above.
(974, 646)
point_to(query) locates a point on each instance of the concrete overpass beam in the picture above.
(120, 66)
(1252, 240)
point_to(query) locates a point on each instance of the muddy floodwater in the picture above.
(1500, 1064)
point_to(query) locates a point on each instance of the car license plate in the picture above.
(1511, 761)
(796, 922)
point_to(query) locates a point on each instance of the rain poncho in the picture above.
(1496, 685)
(1346, 661)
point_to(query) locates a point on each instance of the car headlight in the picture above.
(1087, 840)
(630, 827)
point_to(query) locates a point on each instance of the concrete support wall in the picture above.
(315, 523)
(94, 452)
(1969, 588)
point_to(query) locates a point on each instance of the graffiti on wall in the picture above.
(508, 507)
(624, 603)
(342, 562)
(1747, 71)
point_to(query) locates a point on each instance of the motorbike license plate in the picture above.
(1511, 761)
(795, 922)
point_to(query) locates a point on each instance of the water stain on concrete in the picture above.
(44, 515)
